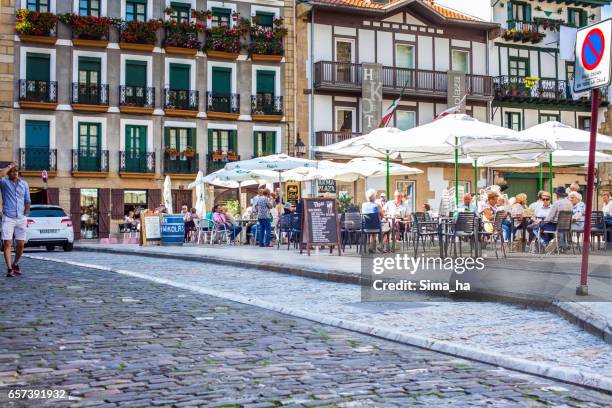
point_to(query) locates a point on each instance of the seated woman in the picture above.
(489, 208)
(220, 219)
(517, 209)
(130, 222)
(374, 210)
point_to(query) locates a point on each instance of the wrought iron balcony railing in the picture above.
(89, 94)
(324, 138)
(537, 89)
(139, 96)
(227, 103)
(32, 90)
(180, 164)
(94, 160)
(136, 162)
(182, 99)
(38, 158)
(264, 104)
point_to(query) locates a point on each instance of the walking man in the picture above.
(15, 207)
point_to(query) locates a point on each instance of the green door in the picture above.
(37, 145)
(136, 83)
(89, 147)
(523, 183)
(265, 91)
(89, 80)
(221, 89)
(38, 71)
(135, 148)
(179, 76)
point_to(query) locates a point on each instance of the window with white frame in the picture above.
(461, 61)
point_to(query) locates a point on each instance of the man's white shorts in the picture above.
(14, 226)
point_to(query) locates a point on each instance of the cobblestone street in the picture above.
(113, 340)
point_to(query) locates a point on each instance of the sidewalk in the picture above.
(547, 282)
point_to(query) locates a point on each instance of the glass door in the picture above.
(89, 213)
(89, 81)
(344, 59)
(89, 147)
(264, 143)
(265, 91)
(135, 148)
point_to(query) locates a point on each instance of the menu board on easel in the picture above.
(150, 228)
(320, 224)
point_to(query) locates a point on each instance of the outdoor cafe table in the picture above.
(242, 223)
(523, 222)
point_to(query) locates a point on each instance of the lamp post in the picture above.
(299, 147)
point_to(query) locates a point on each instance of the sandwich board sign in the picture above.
(593, 45)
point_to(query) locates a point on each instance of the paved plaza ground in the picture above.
(113, 340)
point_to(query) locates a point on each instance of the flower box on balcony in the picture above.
(181, 51)
(138, 35)
(80, 42)
(232, 157)
(222, 55)
(136, 47)
(88, 31)
(35, 27)
(266, 58)
(217, 156)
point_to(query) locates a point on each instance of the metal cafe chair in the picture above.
(464, 228)
(370, 225)
(351, 229)
(562, 229)
(497, 233)
(598, 229)
(422, 229)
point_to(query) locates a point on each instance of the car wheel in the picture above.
(50, 248)
(68, 247)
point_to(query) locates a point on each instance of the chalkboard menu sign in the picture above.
(320, 224)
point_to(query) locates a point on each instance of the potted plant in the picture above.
(36, 27)
(88, 31)
(189, 152)
(224, 42)
(267, 44)
(202, 15)
(217, 155)
(139, 35)
(182, 37)
(172, 152)
(231, 155)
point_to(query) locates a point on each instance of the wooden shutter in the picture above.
(153, 199)
(117, 204)
(75, 211)
(583, 18)
(527, 12)
(233, 140)
(53, 196)
(104, 212)
(510, 15)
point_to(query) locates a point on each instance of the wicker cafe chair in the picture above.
(497, 234)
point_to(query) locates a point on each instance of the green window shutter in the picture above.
(270, 142)
(233, 141)
(527, 12)
(90, 64)
(191, 137)
(179, 76)
(265, 82)
(38, 66)
(211, 147)
(510, 14)
(182, 11)
(167, 137)
(221, 12)
(583, 18)
(135, 73)
(255, 136)
(221, 80)
(264, 19)
(570, 17)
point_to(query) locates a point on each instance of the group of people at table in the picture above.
(538, 219)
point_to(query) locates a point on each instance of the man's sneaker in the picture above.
(16, 270)
(10, 273)
(551, 247)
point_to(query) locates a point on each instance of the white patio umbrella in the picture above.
(324, 170)
(563, 137)
(200, 205)
(168, 194)
(361, 146)
(370, 167)
(561, 157)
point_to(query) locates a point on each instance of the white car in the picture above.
(49, 226)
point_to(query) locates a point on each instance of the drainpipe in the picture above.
(311, 136)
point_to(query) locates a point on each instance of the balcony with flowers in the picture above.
(36, 27)
(181, 37)
(88, 31)
(138, 35)
(225, 41)
(267, 42)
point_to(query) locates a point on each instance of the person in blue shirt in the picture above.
(15, 208)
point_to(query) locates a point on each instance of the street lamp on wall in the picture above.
(299, 147)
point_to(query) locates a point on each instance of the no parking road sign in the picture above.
(593, 56)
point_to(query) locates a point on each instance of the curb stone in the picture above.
(571, 311)
(568, 375)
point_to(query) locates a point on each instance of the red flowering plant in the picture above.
(35, 23)
(202, 15)
(182, 34)
(88, 27)
(139, 32)
(223, 38)
(267, 40)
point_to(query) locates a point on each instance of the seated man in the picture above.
(397, 210)
(607, 212)
(540, 214)
(562, 203)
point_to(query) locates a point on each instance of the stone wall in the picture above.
(7, 49)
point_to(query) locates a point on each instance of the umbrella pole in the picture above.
(456, 174)
(540, 183)
(388, 170)
(550, 176)
(475, 177)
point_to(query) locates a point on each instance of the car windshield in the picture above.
(46, 212)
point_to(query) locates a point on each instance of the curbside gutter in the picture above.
(571, 311)
(567, 375)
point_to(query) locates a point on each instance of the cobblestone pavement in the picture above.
(118, 341)
(500, 328)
